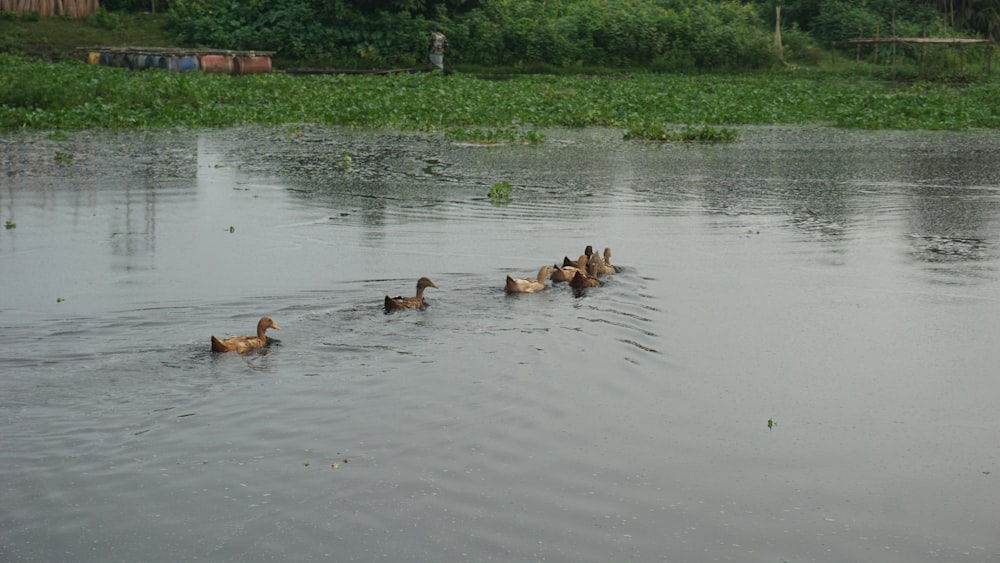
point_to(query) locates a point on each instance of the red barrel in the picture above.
(253, 65)
(217, 63)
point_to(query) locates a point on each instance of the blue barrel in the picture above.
(136, 61)
(182, 64)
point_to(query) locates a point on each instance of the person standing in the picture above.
(438, 46)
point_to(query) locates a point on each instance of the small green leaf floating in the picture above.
(59, 299)
(500, 192)
(346, 162)
(10, 225)
(232, 229)
(771, 423)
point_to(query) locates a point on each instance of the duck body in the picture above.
(598, 266)
(528, 285)
(566, 273)
(244, 343)
(606, 264)
(563, 274)
(582, 280)
(415, 302)
(587, 252)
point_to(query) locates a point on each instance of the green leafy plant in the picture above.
(346, 162)
(39, 95)
(10, 225)
(64, 157)
(500, 192)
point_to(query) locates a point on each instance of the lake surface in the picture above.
(842, 286)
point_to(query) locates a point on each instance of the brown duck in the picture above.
(582, 280)
(598, 266)
(566, 273)
(244, 343)
(415, 302)
(528, 285)
(576, 263)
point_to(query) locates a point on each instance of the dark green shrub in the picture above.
(105, 19)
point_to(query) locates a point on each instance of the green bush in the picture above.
(522, 33)
(105, 20)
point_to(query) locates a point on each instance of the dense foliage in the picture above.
(73, 95)
(665, 34)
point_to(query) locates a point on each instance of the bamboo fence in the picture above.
(71, 8)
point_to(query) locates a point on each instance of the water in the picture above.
(843, 285)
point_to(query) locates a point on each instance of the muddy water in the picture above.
(844, 286)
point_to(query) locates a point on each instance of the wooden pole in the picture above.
(777, 34)
(878, 30)
(857, 56)
(892, 51)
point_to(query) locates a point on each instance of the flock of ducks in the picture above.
(583, 272)
(580, 273)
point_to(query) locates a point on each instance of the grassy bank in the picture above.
(58, 38)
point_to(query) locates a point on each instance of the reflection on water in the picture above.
(841, 283)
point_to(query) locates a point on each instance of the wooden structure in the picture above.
(71, 8)
(949, 41)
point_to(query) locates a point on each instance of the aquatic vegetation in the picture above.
(500, 192)
(232, 229)
(771, 424)
(73, 95)
(10, 225)
(495, 136)
(59, 299)
(704, 133)
(346, 162)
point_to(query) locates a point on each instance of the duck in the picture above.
(415, 302)
(607, 260)
(528, 285)
(576, 263)
(582, 280)
(598, 266)
(566, 273)
(244, 343)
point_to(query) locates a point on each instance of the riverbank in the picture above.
(47, 86)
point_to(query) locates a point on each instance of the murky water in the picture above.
(843, 285)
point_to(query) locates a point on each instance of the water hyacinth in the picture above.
(72, 95)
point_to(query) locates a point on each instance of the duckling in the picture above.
(528, 285)
(416, 302)
(582, 280)
(244, 343)
(566, 273)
